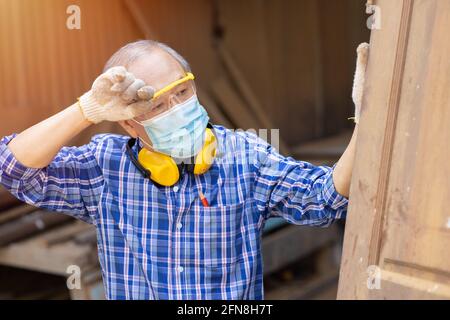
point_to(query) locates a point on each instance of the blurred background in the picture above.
(284, 64)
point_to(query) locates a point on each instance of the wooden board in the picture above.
(45, 66)
(42, 253)
(298, 57)
(398, 228)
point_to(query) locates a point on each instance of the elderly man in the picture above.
(179, 205)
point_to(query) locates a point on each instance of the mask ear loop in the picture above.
(146, 144)
(142, 140)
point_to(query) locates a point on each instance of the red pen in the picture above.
(203, 199)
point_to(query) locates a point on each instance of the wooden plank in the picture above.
(353, 272)
(216, 114)
(236, 109)
(277, 254)
(32, 255)
(249, 97)
(245, 33)
(398, 219)
(338, 58)
(29, 225)
(35, 253)
(86, 237)
(306, 289)
(168, 21)
(139, 17)
(67, 233)
(204, 62)
(65, 62)
(329, 147)
(16, 212)
(6, 199)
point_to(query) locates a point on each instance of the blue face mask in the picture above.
(178, 132)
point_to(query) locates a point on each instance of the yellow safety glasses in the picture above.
(173, 94)
(189, 76)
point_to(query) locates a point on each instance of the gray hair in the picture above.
(134, 50)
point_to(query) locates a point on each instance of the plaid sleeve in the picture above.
(298, 191)
(70, 184)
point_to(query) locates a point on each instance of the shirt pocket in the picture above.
(223, 239)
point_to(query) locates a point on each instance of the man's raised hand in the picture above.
(116, 95)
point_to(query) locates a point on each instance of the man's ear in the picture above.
(127, 125)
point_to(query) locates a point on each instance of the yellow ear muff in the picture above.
(205, 158)
(163, 168)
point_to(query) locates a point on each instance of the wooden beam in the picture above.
(214, 111)
(236, 109)
(306, 289)
(6, 199)
(16, 212)
(302, 240)
(29, 225)
(326, 148)
(139, 18)
(248, 95)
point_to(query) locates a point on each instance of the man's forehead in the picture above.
(157, 69)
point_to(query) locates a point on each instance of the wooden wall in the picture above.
(398, 227)
(299, 57)
(296, 56)
(44, 65)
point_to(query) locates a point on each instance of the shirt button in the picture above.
(175, 189)
(179, 225)
(180, 269)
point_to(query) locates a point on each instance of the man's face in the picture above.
(158, 70)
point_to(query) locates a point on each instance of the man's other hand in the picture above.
(358, 82)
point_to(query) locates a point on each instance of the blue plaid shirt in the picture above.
(162, 243)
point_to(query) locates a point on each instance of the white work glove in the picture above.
(358, 81)
(116, 95)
